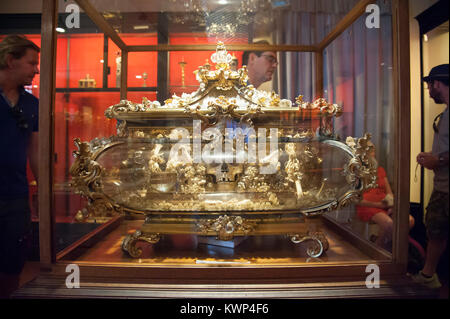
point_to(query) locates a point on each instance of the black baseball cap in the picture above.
(439, 72)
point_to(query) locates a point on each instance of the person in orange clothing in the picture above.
(376, 206)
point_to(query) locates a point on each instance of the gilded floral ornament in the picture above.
(125, 106)
(361, 170)
(321, 105)
(85, 171)
(223, 107)
(225, 227)
(99, 207)
(129, 243)
(86, 179)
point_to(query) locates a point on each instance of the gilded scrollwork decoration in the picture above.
(362, 168)
(85, 172)
(129, 243)
(360, 171)
(86, 180)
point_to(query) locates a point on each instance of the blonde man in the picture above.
(19, 63)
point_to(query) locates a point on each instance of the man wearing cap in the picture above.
(436, 219)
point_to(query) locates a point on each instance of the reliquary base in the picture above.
(227, 228)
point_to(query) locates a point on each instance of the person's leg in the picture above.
(386, 225)
(436, 222)
(10, 283)
(435, 249)
(14, 235)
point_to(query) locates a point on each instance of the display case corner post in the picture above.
(101, 22)
(319, 78)
(124, 76)
(402, 115)
(46, 131)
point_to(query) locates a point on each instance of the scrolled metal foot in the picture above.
(317, 243)
(315, 248)
(129, 242)
(322, 238)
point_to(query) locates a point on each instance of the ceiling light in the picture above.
(140, 27)
(223, 1)
(61, 30)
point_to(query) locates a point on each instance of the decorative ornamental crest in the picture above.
(221, 58)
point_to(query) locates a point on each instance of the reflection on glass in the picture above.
(377, 207)
(359, 78)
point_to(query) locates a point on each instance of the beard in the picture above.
(436, 97)
(438, 100)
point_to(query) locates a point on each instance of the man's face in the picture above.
(435, 92)
(25, 68)
(265, 65)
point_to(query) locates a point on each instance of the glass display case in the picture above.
(188, 174)
(222, 149)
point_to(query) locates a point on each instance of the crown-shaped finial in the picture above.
(221, 58)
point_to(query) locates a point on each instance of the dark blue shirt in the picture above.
(15, 132)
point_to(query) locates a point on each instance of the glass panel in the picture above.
(84, 85)
(140, 95)
(141, 178)
(80, 61)
(203, 169)
(114, 64)
(141, 70)
(292, 20)
(77, 115)
(290, 84)
(358, 73)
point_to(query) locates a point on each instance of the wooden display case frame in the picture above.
(306, 281)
